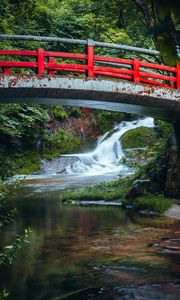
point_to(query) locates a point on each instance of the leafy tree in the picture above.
(162, 19)
(154, 24)
(19, 121)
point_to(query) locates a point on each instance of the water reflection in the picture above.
(90, 253)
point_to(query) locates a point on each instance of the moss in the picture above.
(139, 137)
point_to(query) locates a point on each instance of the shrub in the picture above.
(59, 112)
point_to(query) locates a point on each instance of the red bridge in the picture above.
(111, 83)
(43, 62)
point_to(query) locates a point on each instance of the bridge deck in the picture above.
(95, 93)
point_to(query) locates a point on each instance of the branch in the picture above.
(148, 19)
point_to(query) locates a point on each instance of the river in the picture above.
(89, 252)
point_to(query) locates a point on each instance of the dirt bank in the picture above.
(173, 212)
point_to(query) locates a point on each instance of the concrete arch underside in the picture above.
(140, 99)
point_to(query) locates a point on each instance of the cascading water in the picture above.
(102, 164)
(106, 158)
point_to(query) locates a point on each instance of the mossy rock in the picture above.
(139, 137)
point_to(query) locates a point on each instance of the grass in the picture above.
(114, 190)
(117, 190)
(158, 204)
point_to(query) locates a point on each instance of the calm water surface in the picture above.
(84, 253)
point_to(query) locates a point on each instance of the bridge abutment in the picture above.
(173, 175)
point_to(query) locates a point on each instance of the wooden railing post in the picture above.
(51, 60)
(90, 59)
(6, 71)
(178, 76)
(136, 70)
(172, 83)
(40, 61)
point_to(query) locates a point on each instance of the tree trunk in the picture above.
(173, 175)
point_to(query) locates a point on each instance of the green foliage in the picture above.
(139, 23)
(14, 17)
(144, 149)
(9, 252)
(7, 215)
(163, 129)
(7, 210)
(72, 19)
(74, 112)
(59, 112)
(63, 141)
(139, 137)
(62, 113)
(107, 118)
(138, 157)
(21, 127)
(117, 190)
(26, 162)
(17, 121)
(156, 170)
(147, 202)
(25, 127)
(20, 162)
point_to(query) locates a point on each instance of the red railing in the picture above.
(52, 63)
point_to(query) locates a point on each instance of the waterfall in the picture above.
(107, 156)
(75, 170)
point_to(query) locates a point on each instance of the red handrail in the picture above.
(52, 63)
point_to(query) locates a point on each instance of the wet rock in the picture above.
(57, 165)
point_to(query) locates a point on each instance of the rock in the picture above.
(57, 165)
(135, 192)
(138, 189)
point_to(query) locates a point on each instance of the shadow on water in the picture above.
(84, 253)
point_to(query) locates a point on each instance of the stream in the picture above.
(90, 252)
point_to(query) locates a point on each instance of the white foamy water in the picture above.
(107, 156)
